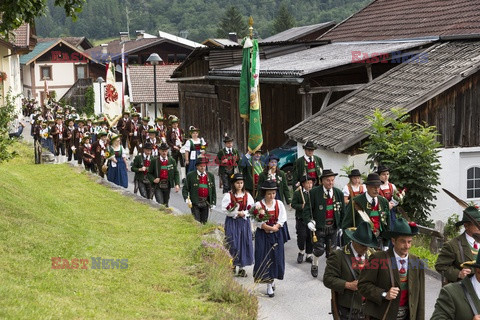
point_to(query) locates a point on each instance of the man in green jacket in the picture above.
(164, 175)
(309, 164)
(343, 268)
(370, 207)
(141, 164)
(459, 250)
(393, 281)
(328, 208)
(460, 300)
(227, 159)
(199, 190)
(303, 214)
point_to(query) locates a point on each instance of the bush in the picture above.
(6, 117)
(451, 231)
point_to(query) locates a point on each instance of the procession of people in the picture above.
(369, 267)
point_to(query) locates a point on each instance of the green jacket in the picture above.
(450, 258)
(300, 169)
(137, 164)
(452, 303)
(352, 217)
(190, 188)
(285, 195)
(337, 272)
(305, 214)
(375, 279)
(222, 154)
(173, 175)
(319, 205)
(246, 168)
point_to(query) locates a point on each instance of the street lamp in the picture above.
(100, 80)
(154, 59)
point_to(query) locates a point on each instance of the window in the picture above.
(80, 71)
(473, 183)
(46, 73)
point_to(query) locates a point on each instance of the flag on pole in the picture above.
(249, 99)
(113, 108)
(123, 77)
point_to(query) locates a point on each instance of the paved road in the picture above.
(299, 295)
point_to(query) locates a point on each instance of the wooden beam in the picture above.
(327, 98)
(347, 87)
(309, 105)
(369, 72)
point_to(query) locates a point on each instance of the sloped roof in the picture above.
(141, 84)
(38, 50)
(74, 41)
(21, 36)
(342, 124)
(400, 19)
(220, 42)
(321, 58)
(185, 42)
(297, 32)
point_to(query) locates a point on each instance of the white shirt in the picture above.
(398, 258)
(476, 285)
(282, 213)
(369, 199)
(145, 157)
(226, 201)
(201, 174)
(346, 191)
(355, 253)
(470, 240)
(228, 150)
(329, 192)
(308, 158)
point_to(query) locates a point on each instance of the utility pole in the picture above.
(128, 19)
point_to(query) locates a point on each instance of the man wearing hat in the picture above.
(309, 164)
(328, 210)
(370, 207)
(460, 300)
(161, 129)
(57, 133)
(87, 154)
(343, 268)
(77, 138)
(175, 139)
(303, 215)
(123, 126)
(393, 281)
(141, 164)
(199, 190)
(99, 149)
(251, 166)
(144, 129)
(163, 174)
(135, 134)
(69, 138)
(227, 158)
(459, 250)
(152, 139)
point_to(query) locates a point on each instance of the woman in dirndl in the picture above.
(193, 148)
(238, 231)
(117, 162)
(269, 239)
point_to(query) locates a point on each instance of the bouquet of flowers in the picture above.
(107, 155)
(258, 213)
(400, 195)
(231, 207)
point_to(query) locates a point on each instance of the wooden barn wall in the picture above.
(214, 109)
(455, 113)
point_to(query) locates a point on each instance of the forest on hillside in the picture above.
(195, 19)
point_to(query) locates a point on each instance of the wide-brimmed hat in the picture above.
(272, 156)
(101, 134)
(354, 173)
(85, 138)
(80, 120)
(472, 264)
(236, 177)
(473, 212)
(382, 168)
(201, 160)
(147, 119)
(305, 178)
(193, 128)
(173, 119)
(269, 185)
(363, 234)
(163, 146)
(227, 139)
(152, 131)
(147, 145)
(401, 227)
(373, 179)
(160, 118)
(309, 145)
(126, 112)
(115, 137)
(135, 114)
(328, 173)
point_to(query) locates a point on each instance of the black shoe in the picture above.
(300, 257)
(242, 273)
(309, 259)
(271, 295)
(314, 271)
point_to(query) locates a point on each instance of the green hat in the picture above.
(473, 212)
(135, 114)
(163, 146)
(85, 138)
(173, 119)
(101, 134)
(50, 121)
(192, 129)
(146, 119)
(161, 118)
(115, 137)
(363, 234)
(401, 227)
(59, 116)
(152, 131)
(126, 112)
(80, 120)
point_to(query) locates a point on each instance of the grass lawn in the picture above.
(51, 211)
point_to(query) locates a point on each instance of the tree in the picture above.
(410, 150)
(284, 20)
(89, 102)
(233, 21)
(15, 12)
(6, 117)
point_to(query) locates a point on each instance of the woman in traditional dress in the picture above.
(193, 148)
(269, 238)
(238, 231)
(354, 187)
(117, 162)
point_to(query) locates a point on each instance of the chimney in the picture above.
(104, 48)
(233, 36)
(140, 34)
(124, 36)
